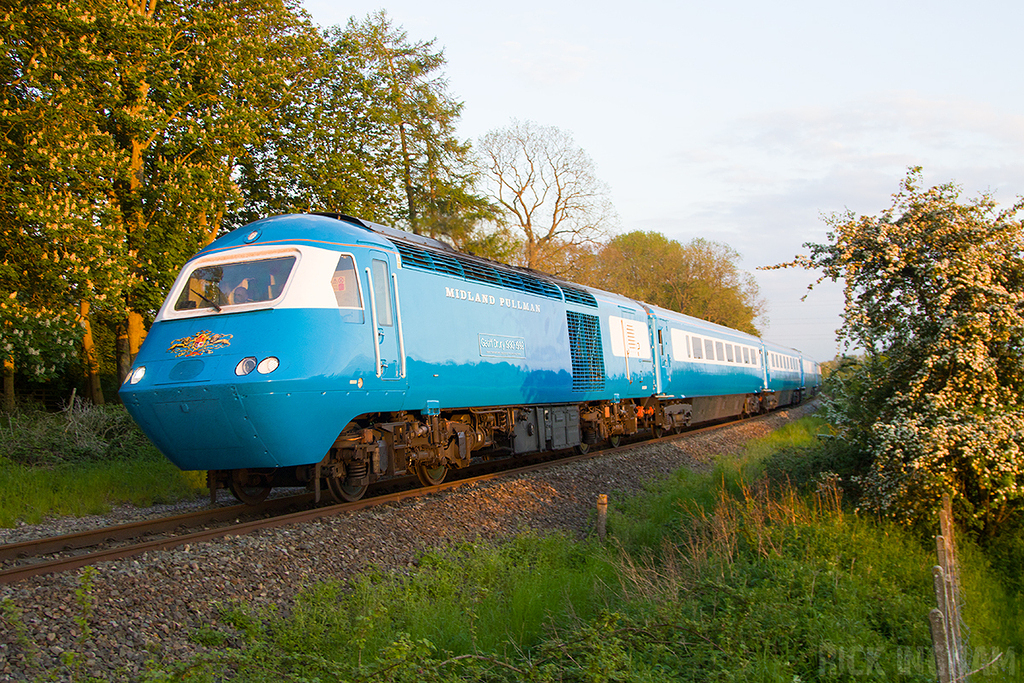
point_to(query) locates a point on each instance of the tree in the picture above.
(195, 84)
(935, 300)
(370, 131)
(548, 191)
(436, 173)
(700, 278)
(327, 147)
(121, 123)
(63, 248)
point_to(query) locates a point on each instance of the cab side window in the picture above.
(345, 283)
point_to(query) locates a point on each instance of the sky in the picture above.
(746, 123)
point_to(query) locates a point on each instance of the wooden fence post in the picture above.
(945, 620)
(937, 620)
(602, 514)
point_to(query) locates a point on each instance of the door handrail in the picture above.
(401, 336)
(373, 320)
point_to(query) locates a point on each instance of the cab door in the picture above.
(385, 318)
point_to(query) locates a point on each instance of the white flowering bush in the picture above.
(41, 342)
(935, 303)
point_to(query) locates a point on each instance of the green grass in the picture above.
(30, 494)
(82, 461)
(754, 572)
(993, 604)
(472, 597)
(772, 586)
(757, 571)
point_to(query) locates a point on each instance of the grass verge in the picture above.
(735, 575)
(82, 461)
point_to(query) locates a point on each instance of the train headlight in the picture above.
(137, 374)
(245, 366)
(268, 365)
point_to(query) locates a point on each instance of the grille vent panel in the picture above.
(579, 296)
(587, 354)
(476, 271)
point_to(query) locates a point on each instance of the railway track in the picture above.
(68, 552)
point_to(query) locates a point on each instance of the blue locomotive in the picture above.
(325, 350)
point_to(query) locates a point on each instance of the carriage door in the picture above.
(386, 318)
(630, 340)
(663, 340)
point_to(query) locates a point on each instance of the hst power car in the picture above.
(327, 351)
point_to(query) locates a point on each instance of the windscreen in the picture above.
(234, 284)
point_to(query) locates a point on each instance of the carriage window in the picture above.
(345, 283)
(709, 349)
(382, 293)
(721, 351)
(697, 351)
(232, 284)
(689, 353)
(728, 353)
(746, 355)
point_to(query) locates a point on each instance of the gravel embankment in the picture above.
(146, 607)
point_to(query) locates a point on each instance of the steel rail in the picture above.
(143, 527)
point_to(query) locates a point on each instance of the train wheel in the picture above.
(658, 431)
(583, 448)
(345, 493)
(431, 476)
(614, 440)
(250, 494)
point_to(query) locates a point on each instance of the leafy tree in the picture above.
(195, 84)
(327, 147)
(62, 245)
(935, 300)
(121, 123)
(700, 278)
(370, 131)
(548, 192)
(132, 130)
(412, 100)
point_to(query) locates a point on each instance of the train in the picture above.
(330, 352)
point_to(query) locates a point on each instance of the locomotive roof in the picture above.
(318, 230)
